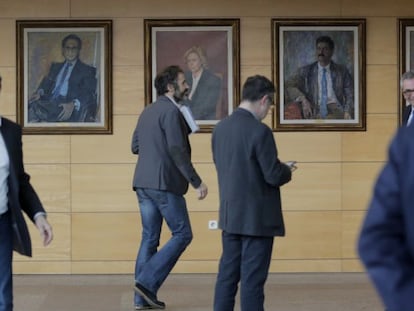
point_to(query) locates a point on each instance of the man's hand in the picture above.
(45, 229)
(67, 109)
(347, 116)
(202, 191)
(306, 108)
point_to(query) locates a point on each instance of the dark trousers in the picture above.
(245, 259)
(6, 254)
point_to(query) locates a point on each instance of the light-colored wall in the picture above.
(85, 180)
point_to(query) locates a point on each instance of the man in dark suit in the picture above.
(161, 178)
(68, 92)
(407, 89)
(16, 195)
(250, 216)
(323, 89)
(386, 241)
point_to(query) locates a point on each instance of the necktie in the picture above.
(62, 78)
(410, 118)
(324, 98)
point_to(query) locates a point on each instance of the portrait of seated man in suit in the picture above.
(68, 92)
(323, 89)
(205, 85)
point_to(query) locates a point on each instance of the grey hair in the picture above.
(409, 75)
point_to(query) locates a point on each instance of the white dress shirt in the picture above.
(4, 175)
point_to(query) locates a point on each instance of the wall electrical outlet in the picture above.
(212, 224)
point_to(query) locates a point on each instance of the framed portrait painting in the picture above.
(64, 76)
(405, 64)
(208, 51)
(318, 66)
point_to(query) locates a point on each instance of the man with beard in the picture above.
(162, 175)
(323, 89)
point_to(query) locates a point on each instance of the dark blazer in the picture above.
(161, 140)
(305, 83)
(81, 86)
(22, 196)
(204, 101)
(406, 114)
(249, 176)
(386, 242)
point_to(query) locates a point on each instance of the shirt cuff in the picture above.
(39, 214)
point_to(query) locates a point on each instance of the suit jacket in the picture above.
(81, 86)
(21, 196)
(406, 115)
(204, 101)
(386, 241)
(161, 140)
(249, 176)
(305, 83)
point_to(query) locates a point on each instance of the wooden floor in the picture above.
(193, 292)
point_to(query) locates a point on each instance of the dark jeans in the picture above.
(153, 265)
(245, 259)
(6, 255)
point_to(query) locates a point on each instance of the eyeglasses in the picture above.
(408, 92)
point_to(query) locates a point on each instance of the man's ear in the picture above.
(170, 87)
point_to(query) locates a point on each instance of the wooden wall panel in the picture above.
(128, 40)
(311, 235)
(52, 184)
(128, 96)
(102, 187)
(309, 146)
(357, 184)
(351, 226)
(105, 236)
(375, 8)
(382, 89)
(85, 180)
(370, 145)
(114, 148)
(44, 9)
(8, 51)
(46, 149)
(8, 92)
(381, 41)
(323, 195)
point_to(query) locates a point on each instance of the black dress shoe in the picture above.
(149, 297)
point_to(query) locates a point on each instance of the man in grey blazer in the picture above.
(16, 195)
(161, 179)
(249, 176)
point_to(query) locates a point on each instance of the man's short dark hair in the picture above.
(327, 40)
(72, 37)
(256, 87)
(167, 76)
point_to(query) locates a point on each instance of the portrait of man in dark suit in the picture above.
(68, 92)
